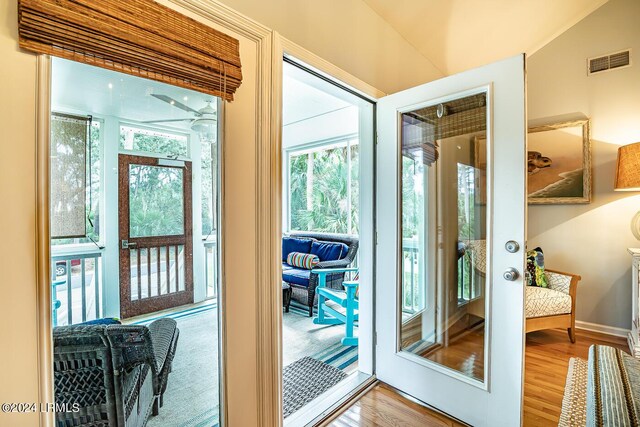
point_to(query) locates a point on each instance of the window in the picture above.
(156, 197)
(323, 188)
(153, 141)
(209, 161)
(414, 217)
(468, 280)
(93, 188)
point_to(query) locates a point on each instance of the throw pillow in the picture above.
(535, 269)
(294, 244)
(301, 260)
(328, 251)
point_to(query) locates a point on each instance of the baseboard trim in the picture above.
(603, 329)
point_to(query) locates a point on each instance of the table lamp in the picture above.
(628, 177)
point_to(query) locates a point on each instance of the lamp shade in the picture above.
(628, 168)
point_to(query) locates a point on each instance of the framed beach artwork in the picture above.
(559, 163)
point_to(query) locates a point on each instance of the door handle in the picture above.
(128, 245)
(511, 274)
(512, 246)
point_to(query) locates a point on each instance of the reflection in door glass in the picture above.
(156, 203)
(444, 232)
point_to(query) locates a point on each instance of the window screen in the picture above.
(69, 139)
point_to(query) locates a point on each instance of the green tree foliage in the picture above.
(155, 201)
(326, 208)
(156, 193)
(152, 142)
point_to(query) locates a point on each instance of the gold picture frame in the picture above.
(558, 163)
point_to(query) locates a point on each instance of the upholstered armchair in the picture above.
(552, 307)
(545, 308)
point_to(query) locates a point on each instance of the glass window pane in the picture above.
(299, 204)
(355, 186)
(208, 158)
(153, 141)
(93, 189)
(329, 191)
(156, 204)
(443, 205)
(69, 142)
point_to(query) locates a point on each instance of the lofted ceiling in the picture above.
(456, 35)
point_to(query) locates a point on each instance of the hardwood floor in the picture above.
(546, 362)
(383, 406)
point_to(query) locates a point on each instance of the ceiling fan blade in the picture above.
(167, 121)
(175, 103)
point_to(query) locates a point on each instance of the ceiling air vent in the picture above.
(609, 62)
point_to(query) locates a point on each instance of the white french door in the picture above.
(451, 209)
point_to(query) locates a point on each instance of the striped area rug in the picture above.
(336, 355)
(574, 401)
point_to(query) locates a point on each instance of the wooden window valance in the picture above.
(137, 37)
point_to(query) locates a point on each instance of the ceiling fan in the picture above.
(203, 120)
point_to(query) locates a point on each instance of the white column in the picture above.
(199, 283)
(110, 256)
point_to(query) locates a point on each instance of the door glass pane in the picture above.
(156, 204)
(444, 232)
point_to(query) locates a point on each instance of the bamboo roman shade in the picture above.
(137, 37)
(421, 129)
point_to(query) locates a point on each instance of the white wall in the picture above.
(18, 314)
(591, 240)
(18, 348)
(350, 35)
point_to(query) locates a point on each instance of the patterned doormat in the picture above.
(574, 402)
(306, 379)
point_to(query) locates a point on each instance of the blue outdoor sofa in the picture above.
(333, 250)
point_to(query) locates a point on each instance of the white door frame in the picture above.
(283, 47)
(250, 115)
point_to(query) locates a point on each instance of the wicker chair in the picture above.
(308, 293)
(116, 374)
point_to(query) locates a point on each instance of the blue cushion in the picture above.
(329, 251)
(286, 266)
(103, 321)
(297, 276)
(293, 244)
